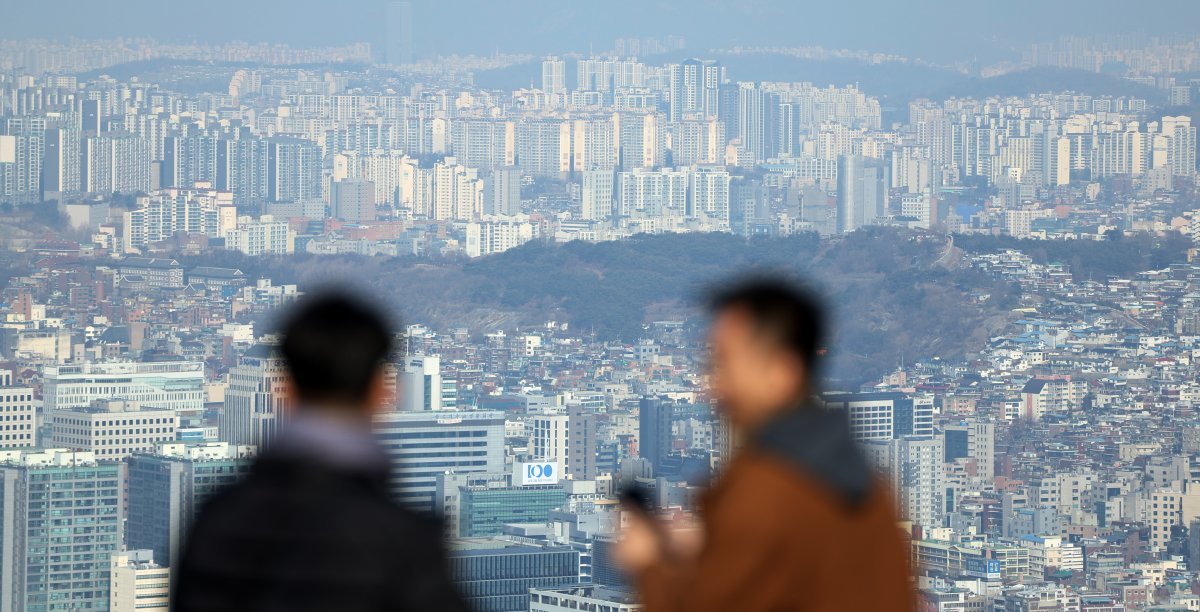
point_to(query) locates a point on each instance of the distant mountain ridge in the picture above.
(891, 295)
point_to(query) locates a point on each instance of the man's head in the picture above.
(335, 347)
(764, 342)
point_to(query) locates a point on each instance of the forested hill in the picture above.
(892, 297)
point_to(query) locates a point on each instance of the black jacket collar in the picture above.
(818, 442)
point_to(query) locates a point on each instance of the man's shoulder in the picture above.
(276, 488)
(776, 479)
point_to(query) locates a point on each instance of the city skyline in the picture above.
(998, 205)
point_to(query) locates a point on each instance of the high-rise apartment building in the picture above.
(694, 88)
(263, 236)
(165, 213)
(399, 23)
(596, 195)
(915, 468)
(116, 162)
(22, 152)
(61, 167)
(293, 170)
(503, 192)
(352, 200)
(497, 234)
(708, 192)
(862, 193)
(652, 194)
(554, 75)
(61, 515)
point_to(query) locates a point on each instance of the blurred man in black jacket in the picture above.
(312, 527)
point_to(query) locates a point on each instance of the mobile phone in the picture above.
(639, 497)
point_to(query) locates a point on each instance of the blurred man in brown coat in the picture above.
(798, 521)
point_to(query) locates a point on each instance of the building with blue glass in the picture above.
(168, 487)
(495, 575)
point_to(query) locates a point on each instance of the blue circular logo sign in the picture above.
(539, 470)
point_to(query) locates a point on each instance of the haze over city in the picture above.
(939, 30)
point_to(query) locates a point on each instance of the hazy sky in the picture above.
(936, 29)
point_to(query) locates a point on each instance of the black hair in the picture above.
(334, 345)
(786, 315)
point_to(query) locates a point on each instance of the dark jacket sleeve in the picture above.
(424, 559)
(195, 588)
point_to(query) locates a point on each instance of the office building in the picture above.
(884, 416)
(581, 440)
(426, 444)
(975, 441)
(655, 418)
(18, 413)
(480, 504)
(137, 583)
(589, 597)
(113, 429)
(421, 385)
(548, 438)
(61, 516)
(170, 484)
(496, 575)
(170, 385)
(256, 398)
